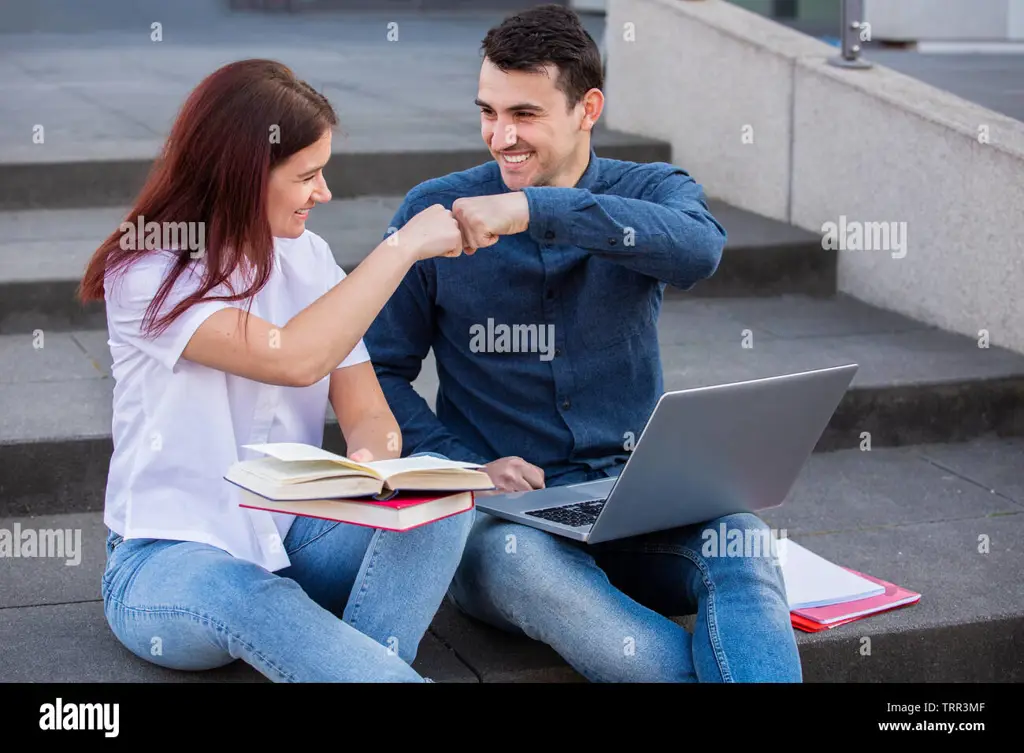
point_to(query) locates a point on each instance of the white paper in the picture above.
(813, 581)
(298, 471)
(422, 463)
(294, 451)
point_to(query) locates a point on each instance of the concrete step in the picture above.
(307, 6)
(943, 520)
(386, 158)
(915, 385)
(43, 254)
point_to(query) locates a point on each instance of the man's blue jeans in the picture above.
(605, 607)
(352, 607)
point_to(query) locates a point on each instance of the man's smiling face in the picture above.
(528, 127)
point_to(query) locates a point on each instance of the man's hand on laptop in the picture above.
(513, 474)
(483, 219)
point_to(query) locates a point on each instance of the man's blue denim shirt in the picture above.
(591, 270)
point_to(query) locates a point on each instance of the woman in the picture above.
(192, 580)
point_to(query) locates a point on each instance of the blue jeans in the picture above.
(605, 608)
(353, 605)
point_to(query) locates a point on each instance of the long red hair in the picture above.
(235, 127)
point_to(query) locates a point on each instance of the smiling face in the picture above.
(524, 120)
(295, 186)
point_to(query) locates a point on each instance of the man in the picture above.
(575, 251)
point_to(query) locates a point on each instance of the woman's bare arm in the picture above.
(320, 336)
(364, 417)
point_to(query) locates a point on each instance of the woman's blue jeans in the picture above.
(353, 605)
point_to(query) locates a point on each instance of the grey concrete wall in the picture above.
(714, 80)
(897, 151)
(853, 148)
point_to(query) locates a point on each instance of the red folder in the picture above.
(815, 619)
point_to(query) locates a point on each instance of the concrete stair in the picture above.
(940, 475)
(43, 253)
(363, 163)
(912, 515)
(916, 385)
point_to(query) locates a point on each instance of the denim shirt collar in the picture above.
(590, 175)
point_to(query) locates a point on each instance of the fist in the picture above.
(483, 219)
(432, 232)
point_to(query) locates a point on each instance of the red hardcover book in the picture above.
(403, 512)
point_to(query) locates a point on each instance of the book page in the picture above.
(391, 467)
(299, 471)
(297, 452)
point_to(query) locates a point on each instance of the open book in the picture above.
(294, 471)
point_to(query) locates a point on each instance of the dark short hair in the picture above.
(548, 34)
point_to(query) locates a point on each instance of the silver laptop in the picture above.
(705, 452)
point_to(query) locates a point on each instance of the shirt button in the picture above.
(612, 241)
(549, 234)
(565, 404)
(558, 351)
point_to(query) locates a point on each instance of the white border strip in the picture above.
(967, 48)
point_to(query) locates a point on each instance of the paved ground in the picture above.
(101, 87)
(116, 92)
(995, 81)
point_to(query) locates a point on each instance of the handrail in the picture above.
(854, 31)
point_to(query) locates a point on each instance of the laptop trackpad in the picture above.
(568, 494)
(593, 489)
(549, 496)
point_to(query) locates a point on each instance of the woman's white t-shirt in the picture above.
(178, 425)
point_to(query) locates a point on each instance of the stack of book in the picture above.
(396, 495)
(823, 595)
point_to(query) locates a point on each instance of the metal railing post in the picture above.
(853, 25)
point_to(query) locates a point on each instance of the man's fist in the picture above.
(513, 474)
(483, 219)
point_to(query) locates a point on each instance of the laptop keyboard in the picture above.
(576, 515)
